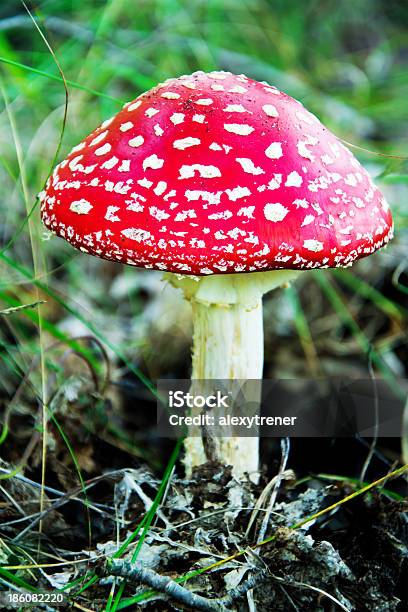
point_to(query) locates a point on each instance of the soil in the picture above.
(354, 557)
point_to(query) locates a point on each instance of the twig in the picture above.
(285, 447)
(164, 584)
(243, 588)
(13, 309)
(263, 497)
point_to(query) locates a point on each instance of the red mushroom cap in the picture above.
(216, 173)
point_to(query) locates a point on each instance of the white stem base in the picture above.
(227, 345)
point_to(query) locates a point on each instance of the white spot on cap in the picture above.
(170, 95)
(78, 147)
(274, 183)
(135, 142)
(246, 211)
(307, 220)
(235, 108)
(274, 151)
(313, 245)
(185, 214)
(301, 203)
(136, 233)
(347, 230)
(158, 130)
(304, 117)
(303, 150)
(107, 122)
(74, 163)
(199, 118)
(214, 146)
(110, 163)
(151, 112)
(98, 138)
(238, 128)
(80, 207)
(237, 193)
(153, 162)
(351, 180)
(184, 143)
(270, 110)
(225, 214)
(217, 75)
(293, 179)
(134, 105)
(158, 214)
(275, 212)
(126, 126)
(177, 118)
(208, 196)
(89, 169)
(204, 101)
(110, 213)
(204, 171)
(249, 167)
(217, 87)
(119, 187)
(272, 90)
(145, 183)
(237, 89)
(124, 166)
(135, 206)
(160, 188)
(103, 149)
(169, 195)
(326, 159)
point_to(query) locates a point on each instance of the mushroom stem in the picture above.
(228, 341)
(227, 346)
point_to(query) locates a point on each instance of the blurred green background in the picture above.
(83, 340)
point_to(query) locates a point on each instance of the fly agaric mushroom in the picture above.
(234, 188)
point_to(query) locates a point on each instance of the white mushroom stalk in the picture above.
(228, 345)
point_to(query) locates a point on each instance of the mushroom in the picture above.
(232, 188)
